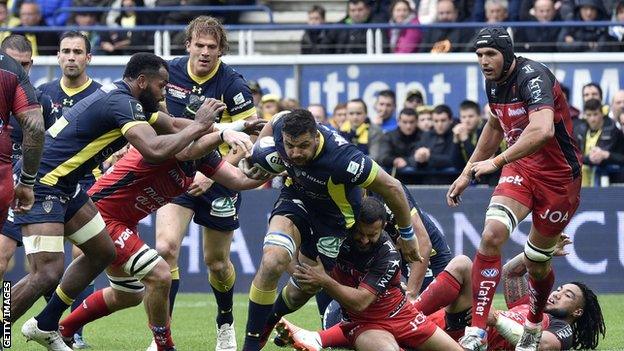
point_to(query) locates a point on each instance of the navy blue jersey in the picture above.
(16, 132)
(63, 98)
(223, 83)
(88, 134)
(330, 185)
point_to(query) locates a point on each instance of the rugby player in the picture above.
(131, 190)
(366, 280)
(74, 55)
(316, 207)
(540, 175)
(96, 127)
(212, 206)
(20, 49)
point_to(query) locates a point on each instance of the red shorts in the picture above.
(439, 319)
(552, 202)
(409, 327)
(127, 241)
(6, 192)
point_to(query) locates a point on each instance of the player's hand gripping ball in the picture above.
(266, 157)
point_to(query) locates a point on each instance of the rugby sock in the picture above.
(224, 294)
(280, 309)
(539, 290)
(92, 308)
(322, 301)
(333, 337)
(260, 305)
(485, 277)
(49, 318)
(162, 337)
(83, 295)
(48, 295)
(442, 291)
(175, 285)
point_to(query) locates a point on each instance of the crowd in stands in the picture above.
(421, 144)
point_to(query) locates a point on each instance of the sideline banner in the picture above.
(596, 255)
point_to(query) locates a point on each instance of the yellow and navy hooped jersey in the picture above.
(63, 98)
(88, 134)
(330, 186)
(222, 83)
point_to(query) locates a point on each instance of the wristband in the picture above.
(27, 179)
(407, 233)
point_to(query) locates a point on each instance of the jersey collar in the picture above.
(319, 148)
(73, 91)
(198, 79)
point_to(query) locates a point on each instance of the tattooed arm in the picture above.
(31, 122)
(514, 283)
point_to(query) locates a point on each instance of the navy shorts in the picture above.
(12, 230)
(52, 206)
(216, 209)
(318, 237)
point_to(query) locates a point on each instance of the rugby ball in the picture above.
(265, 156)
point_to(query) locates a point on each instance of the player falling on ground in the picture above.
(99, 125)
(212, 206)
(366, 281)
(540, 175)
(74, 55)
(19, 48)
(316, 207)
(418, 275)
(133, 189)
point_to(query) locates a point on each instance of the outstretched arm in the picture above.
(31, 122)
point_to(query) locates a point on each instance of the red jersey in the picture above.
(561, 329)
(532, 87)
(17, 95)
(379, 271)
(134, 188)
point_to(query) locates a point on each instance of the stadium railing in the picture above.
(374, 31)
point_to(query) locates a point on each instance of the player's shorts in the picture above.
(410, 327)
(11, 230)
(216, 209)
(53, 206)
(6, 184)
(126, 239)
(552, 202)
(318, 237)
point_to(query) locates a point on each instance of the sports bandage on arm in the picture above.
(407, 233)
(509, 329)
(237, 126)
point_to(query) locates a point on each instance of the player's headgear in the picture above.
(497, 38)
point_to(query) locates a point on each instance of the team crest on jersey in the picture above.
(329, 246)
(47, 206)
(137, 111)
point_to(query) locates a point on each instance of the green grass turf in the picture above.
(194, 328)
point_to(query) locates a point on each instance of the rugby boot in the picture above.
(51, 340)
(530, 339)
(226, 338)
(474, 339)
(299, 338)
(79, 342)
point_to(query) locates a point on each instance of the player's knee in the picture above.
(159, 277)
(123, 299)
(461, 264)
(492, 238)
(216, 265)
(167, 249)
(48, 276)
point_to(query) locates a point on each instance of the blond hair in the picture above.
(208, 25)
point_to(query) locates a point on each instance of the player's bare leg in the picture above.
(502, 216)
(281, 243)
(8, 246)
(171, 224)
(440, 341)
(222, 277)
(374, 340)
(538, 252)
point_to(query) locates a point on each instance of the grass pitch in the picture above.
(194, 327)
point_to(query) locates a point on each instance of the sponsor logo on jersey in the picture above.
(238, 98)
(555, 216)
(224, 206)
(197, 90)
(329, 246)
(68, 102)
(353, 167)
(515, 112)
(137, 111)
(489, 272)
(536, 89)
(516, 180)
(121, 240)
(482, 299)
(528, 69)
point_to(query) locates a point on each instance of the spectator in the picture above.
(319, 113)
(414, 99)
(467, 131)
(539, 39)
(270, 105)
(256, 92)
(496, 11)
(4, 20)
(441, 40)
(587, 38)
(617, 105)
(617, 32)
(397, 146)
(436, 150)
(479, 10)
(312, 40)
(425, 119)
(380, 9)
(594, 91)
(360, 131)
(289, 104)
(339, 116)
(43, 43)
(49, 14)
(121, 42)
(350, 41)
(427, 11)
(403, 40)
(384, 109)
(85, 20)
(620, 122)
(599, 139)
